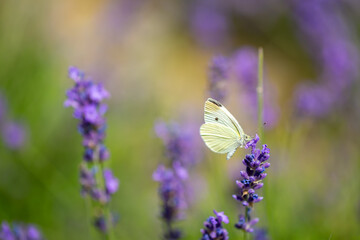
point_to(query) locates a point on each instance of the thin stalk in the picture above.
(260, 98)
(106, 209)
(88, 213)
(247, 218)
(260, 94)
(168, 230)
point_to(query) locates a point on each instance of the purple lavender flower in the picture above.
(90, 187)
(33, 233)
(251, 180)
(181, 144)
(245, 66)
(329, 41)
(209, 23)
(267, 9)
(111, 182)
(246, 225)
(171, 192)
(314, 100)
(213, 227)
(261, 234)
(19, 232)
(86, 98)
(6, 232)
(182, 151)
(100, 223)
(14, 135)
(218, 75)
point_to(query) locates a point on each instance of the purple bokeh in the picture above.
(14, 135)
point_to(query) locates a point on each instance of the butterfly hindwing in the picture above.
(219, 138)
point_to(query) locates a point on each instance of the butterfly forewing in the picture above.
(215, 112)
(219, 138)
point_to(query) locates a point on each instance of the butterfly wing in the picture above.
(215, 112)
(220, 138)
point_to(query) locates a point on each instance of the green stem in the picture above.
(260, 98)
(246, 220)
(260, 94)
(88, 212)
(106, 209)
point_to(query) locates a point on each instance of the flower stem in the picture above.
(88, 212)
(247, 219)
(106, 209)
(260, 98)
(260, 94)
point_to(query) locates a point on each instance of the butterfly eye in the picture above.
(216, 119)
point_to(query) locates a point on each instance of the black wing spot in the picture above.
(215, 102)
(216, 119)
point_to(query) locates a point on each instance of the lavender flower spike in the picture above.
(14, 135)
(246, 226)
(250, 181)
(19, 232)
(96, 182)
(171, 192)
(213, 227)
(85, 97)
(180, 142)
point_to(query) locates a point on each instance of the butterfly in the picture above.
(221, 132)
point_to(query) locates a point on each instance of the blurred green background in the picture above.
(154, 68)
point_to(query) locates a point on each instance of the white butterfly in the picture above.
(221, 132)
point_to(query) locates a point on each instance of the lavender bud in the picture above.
(213, 227)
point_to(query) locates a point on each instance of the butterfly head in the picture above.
(248, 138)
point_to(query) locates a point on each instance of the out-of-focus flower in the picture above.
(13, 132)
(33, 233)
(246, 226)
(6, 232)
(328, 34)
(181, 142)
(111, 182)
(314, 100)
(13, 135)
(213, 229)
(182, 149)
(86, 98)
(245, 67)
(209, 23)
(89, 185)
(19, 232)
(101, 222)
(261, 234)
(171, 192)
(218, 75)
